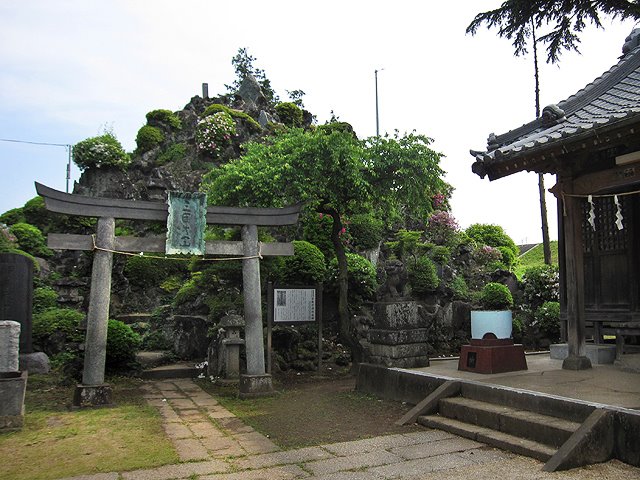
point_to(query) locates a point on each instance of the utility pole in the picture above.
(377, 113)
(69, 168)
(546, 243)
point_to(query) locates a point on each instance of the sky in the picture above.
(70, 69)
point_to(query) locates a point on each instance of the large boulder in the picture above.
(190, 336)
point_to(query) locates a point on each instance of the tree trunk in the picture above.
(344, 320)
(546, 244)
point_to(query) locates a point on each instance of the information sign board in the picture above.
(294, 305)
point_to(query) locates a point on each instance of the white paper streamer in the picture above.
(592, 213)
(618, 213)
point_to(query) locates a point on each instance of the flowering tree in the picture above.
(101, 151)
(334, 173)
(214, 133)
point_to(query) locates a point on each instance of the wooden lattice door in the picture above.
(610, 270)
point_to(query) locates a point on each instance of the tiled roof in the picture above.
(612, 98)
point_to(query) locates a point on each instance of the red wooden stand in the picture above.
(492, 355)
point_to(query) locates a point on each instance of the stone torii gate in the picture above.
(93, 391)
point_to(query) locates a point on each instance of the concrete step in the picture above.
(504, 441)
(551, 431)
(568, 409)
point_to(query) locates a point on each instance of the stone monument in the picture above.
(16, 294)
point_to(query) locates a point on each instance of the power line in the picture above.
(35, 143)
(65, 145)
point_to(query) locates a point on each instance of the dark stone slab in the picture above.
(92, 396)
(398, 337)
(400, 351)
(252, 386)
(16, 294)
(404, 362)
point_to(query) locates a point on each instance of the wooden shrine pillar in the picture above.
(574, 275)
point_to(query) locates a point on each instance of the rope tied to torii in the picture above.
(182, 259)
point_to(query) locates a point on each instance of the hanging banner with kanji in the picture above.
(186, 223)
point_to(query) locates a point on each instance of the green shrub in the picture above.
(496, 296)
(541, 284)
(101, 151)
(423, 276)
(148, 138)
(407, 242)
(366, 231)
(54, 327)
(223, 302)
(36, 213)
(316, 229)
(156, 340)
(362, 278)
(290, 114)
(189, 290)
(547, 319)
(122, 344)
(459, 288)
(162, 118)
(440, 254)
(146, 271)
(30, 239)
(509, 258)
(491, 235)
(44, 298)
(340, 127)
(172, 284)
(174, 153)
(305, 267)
(15, 215)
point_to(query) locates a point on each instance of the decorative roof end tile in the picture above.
(552, 115)
(631, 42)
(492, 142)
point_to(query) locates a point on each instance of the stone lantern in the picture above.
(224, 351)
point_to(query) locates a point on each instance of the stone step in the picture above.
(175, 370)
(151, 359)
(504, 441)
(130, 318)
(552, 431)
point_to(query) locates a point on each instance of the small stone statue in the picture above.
(397, 277)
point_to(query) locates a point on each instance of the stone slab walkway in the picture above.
(215, 445)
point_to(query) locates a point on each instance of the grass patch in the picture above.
(535, 257)
(314, 412)
(58, 442)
